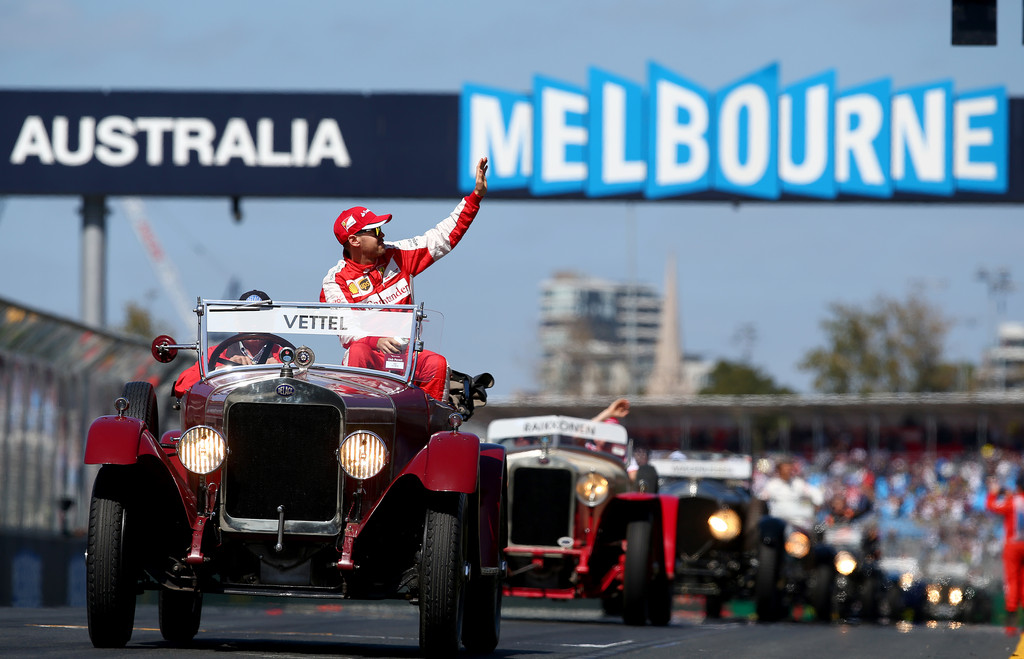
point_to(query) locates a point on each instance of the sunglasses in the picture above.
(370, 232)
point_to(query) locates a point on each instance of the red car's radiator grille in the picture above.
(542, 506)
(282, 455)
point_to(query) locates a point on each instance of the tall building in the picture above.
(597, 337)
(1002, 367)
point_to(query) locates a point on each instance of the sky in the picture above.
(774, 267)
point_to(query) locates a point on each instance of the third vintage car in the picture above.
(293, 474)
(575, 528)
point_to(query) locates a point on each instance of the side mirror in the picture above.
(164, 349)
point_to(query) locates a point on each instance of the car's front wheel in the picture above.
(822, 590)
(646, 592)
(180, 612)
(442, 575)
(767, 595)
(111, 571)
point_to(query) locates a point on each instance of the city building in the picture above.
(1002, 366)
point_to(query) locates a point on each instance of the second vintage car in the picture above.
(575, 530)
(716, 529)
(293, 474)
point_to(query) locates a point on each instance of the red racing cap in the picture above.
(356, 219)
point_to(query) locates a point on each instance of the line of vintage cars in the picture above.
(297, 475)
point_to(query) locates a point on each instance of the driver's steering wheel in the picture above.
(217, 356)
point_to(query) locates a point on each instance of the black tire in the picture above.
(180, 612)
(442, 575)
(142, 405)
(111, 574)
(767, 595)
(712, 607)
(636, 580)
(823, 587)
(870, 598)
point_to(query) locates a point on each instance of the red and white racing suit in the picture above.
(1011, 507)
(389, 281)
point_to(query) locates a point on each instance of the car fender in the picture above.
(448, 463)
(114, 440)
(123, 440)
(661, 509)
(493, 475)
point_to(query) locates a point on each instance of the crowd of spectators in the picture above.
(931, 508)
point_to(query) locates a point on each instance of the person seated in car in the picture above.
(790, 497)
(253, 350)
(373, 271)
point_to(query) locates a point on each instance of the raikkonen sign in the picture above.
(670, 139)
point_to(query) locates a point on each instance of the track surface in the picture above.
(530, 630)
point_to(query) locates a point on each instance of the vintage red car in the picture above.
(297, 476)
(575, 528)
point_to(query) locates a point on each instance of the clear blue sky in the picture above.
(774, 266)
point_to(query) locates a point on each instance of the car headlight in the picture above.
(201, 449)
(798, 544)
(592, 489)
(362, 454)
(845, 563)
(933, 594)
(955, 596)
(724, 524)
(906, 580)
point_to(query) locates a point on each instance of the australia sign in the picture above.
(669, 138)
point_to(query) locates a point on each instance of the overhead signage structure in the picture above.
(752, 138)
(671, 139)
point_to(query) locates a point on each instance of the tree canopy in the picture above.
(737, 378)
(887, 346)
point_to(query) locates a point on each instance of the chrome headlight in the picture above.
(362, 454)
(798, 544)
(933, 593)
(955, 596)
(845, 563)
(592, 489)
(201, 449)
(724, 524)
(906, 580)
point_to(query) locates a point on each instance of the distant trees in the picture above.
(737, 378)
(889, 345)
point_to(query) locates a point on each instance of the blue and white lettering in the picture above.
(616, 162)
(922, 139)
(679, 152)
(498, 124)
(805, 156)
(750, 138)
(745, 114)
(980, 123)
(559, 138)
(862, 140)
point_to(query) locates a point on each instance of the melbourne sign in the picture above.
(668, 139)
(752, 138)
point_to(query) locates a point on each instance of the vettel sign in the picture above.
(753, 137)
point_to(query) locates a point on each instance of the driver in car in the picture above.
(377, 272)
(253, 350)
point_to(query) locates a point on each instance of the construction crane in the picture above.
(164, 268)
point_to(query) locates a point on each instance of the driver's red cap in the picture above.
(356, 219)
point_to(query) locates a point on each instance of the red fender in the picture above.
(667, 508)
(113, 440)
(492, 487)
(448, 463)
(121, 440)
